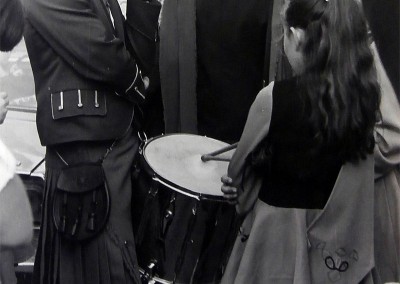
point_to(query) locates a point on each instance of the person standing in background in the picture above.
(214, 59)
(16, 223)
(86, 85)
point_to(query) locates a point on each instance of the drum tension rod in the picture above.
(212, 155)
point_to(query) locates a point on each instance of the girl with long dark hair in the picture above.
(302, 177)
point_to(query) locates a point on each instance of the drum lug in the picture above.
(194, 209)
(143, 140)
(169, 214)
(153, 189)
(142, 136)
(171, 208)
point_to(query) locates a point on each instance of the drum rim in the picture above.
(170, 184)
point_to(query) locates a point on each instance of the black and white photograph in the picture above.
(199, 142)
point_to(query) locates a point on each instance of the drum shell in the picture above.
(199, 227)
(197, 231)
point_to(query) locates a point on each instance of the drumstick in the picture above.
(211, 156)
(206, 158)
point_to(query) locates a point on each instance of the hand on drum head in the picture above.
(230, 192)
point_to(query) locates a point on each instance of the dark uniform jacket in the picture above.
(85, 79)
(214, 56)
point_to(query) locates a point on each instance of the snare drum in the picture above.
(178, 199)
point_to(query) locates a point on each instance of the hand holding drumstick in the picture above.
(230, 192)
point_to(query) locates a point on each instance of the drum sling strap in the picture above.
(81, 201)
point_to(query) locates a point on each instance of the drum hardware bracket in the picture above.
(171, 208)
(194, 209)
(142, 136)
(169, 215)
(148, 273)
(143, 140)
(153, 190)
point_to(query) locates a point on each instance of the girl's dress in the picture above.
(289, 245)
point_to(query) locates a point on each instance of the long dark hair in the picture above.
(339, 84)
(11, 24)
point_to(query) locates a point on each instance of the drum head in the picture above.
(176, 160)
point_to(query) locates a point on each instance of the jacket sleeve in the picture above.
(79, 36)
(387, 130)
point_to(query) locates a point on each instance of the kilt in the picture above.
(109, 257)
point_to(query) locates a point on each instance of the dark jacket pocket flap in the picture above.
(78, 103)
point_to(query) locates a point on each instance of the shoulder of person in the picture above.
(264, 97)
